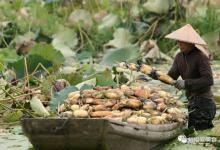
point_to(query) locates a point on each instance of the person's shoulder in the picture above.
(200, 54)
(178, 57)
(179, 54)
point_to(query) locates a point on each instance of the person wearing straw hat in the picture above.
(192, 64)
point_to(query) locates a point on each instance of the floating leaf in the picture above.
(140, 27)
(100, 15)
(48, 53)
(41, 53)
(105, 78)
(129, 54)
(91, 82)
(86, 87)
(41, 19)
(32, 61)
(83, 55)
(73, 78)
(7, 34)
(12, 116)
(65, 41)
(26, 37)
(108, 21)
(122, 38)
(158, 6)
(8, 55)
(199, 11)
(60, 97)
(211, 39)
(80, 15)
(135, 11)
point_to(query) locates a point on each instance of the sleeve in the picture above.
(174, 71)
(205, 72)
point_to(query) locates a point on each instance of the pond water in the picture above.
(11, 138)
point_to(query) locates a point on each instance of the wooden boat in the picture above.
(96, 134)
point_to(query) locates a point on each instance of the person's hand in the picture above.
(154, 75)
(180, 84)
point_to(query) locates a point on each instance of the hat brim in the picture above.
(186, 34)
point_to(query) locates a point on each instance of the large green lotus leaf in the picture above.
(26, 37)
(108, 21)
(60, 97)
(47, 52)
(8, 55)
(199, 12)
(12, 116)
(211, 39)
(80, 15)
(158, 6)
(65, 41)
(32, 62)
(122, 38)
(135, 11)
(104, 78)
(140, 27)
(73, 78)
(91, 82)
(41, 18)
(113, 56)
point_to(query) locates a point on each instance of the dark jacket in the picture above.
(194, 68)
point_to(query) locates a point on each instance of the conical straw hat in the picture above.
(186, 34)
(203, 49)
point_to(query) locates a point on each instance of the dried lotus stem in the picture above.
(165, 78)
(132, 67)
(145, 69)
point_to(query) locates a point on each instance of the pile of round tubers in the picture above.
(131, 104)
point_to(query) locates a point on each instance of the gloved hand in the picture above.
(154, 75)
(180, 84)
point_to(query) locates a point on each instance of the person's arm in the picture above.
(174, 71)
(206, 78)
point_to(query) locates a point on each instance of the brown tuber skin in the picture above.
(133, 103)
(88, 93)
(93, 101)
(161, 107)
(110, 103)
(140, 105)
(100, 108)
(149, 105)
(159, 100)
(99, 114)
(132, 66)
(142, 93)
(145, 69)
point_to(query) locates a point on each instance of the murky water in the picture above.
(12, 138)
